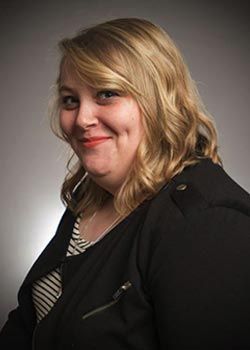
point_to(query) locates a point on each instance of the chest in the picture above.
(94, 227)
(103, 299)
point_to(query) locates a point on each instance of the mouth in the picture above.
(94, 141)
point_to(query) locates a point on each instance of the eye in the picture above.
(106, 94)
(69, 102)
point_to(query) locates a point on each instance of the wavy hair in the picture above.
(134, 56)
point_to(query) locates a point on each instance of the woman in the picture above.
(152, 251)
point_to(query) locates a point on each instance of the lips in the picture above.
(94, 141)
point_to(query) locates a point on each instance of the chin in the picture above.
(96, 173)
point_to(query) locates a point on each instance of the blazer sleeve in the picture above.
(17, 331)
(14, 334)
(199, 281)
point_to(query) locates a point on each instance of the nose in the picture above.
(86, 115)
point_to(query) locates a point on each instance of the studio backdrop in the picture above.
(214, 40)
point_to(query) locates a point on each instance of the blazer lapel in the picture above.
(55, 252)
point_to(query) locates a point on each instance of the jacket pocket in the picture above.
(116, 297)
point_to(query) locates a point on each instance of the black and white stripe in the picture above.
(47, 290)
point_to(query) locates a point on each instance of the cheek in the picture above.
(66, 122)
(127, 121)
(134, 126)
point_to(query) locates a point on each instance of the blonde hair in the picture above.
(134, 56)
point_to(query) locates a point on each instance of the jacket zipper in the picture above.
(116, 296)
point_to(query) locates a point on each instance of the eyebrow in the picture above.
(66, 88)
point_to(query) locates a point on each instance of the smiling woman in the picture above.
(152, 252)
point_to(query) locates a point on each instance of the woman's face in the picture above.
(103, 128)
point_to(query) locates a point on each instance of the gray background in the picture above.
(214, 39)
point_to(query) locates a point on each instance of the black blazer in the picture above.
(175, 274)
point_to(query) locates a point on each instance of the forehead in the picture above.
(68, 73)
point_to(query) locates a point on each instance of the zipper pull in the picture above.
(121, 290)
(115, 297)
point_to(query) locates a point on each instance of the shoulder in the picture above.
(202, 219)
(199, 187)
(202, 200)
(207, 185)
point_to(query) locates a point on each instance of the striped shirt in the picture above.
(47, 289)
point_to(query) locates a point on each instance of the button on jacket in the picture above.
(175, 274)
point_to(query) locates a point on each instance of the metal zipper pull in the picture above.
(116, 296)
(121, 290)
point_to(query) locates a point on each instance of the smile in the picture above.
(93, 143)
